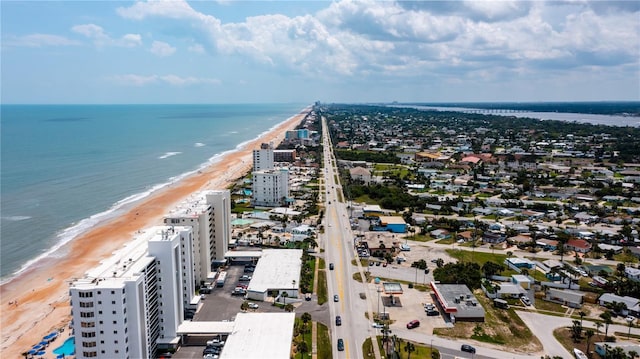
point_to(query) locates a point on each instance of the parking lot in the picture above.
(222, 305)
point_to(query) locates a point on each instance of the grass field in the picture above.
(322, 287)
(324, 342)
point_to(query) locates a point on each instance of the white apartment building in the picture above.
(263, 157)
(208, 213)
(134, 301)
(270, 187)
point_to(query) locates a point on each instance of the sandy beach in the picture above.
(36, 302)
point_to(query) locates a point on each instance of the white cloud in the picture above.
(413, 39)
(134, 80)
(142, 80)
(101, 38)
(39, 40)
(196, 48)
(162, 49)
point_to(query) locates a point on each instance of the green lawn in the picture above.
(477, 257)
(322, 287)
(324, 342)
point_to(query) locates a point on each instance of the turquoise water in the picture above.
(67, 167)
(67, 348)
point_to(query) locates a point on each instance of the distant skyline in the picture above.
(120, 52)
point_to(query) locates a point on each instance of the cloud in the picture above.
(101, 39)
(162, 49)
(196, 48)
(174, 80)
(412, 39)
(39, 40)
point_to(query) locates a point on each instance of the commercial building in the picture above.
(208, 213)
(133, 302)
(394, 224)
(284, 155)
(260, 335)
(277, 272)
(458, 302)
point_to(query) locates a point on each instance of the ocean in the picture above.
(65, 168)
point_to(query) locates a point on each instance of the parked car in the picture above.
(340, 344)
(330, 266)
(338, 320)
(253, 305)
(377, 325)
(245, 278)
(468, 348)
(526, 301)
(307, 297)
(413, 324)
(336, 298)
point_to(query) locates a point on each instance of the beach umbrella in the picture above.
(32, 352)
(38, 347)
(44, 343)
(41, 353)
(60, 356)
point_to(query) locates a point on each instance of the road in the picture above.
(338, 244)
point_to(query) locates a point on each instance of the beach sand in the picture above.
(37, 302)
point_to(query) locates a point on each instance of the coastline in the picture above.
(41, 291)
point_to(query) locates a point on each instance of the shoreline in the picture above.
(42, 304)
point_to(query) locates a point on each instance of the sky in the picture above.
(113, 52)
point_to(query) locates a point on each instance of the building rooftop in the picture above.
(457, 300)
(260, 335)
(277, 269)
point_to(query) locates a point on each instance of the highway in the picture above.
(338, 245)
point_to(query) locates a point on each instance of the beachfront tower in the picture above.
(132, 304)
(208, 213)
(270, 187)
(263, 157)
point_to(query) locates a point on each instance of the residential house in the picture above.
(569, 298)
(360, 174)
(578, 245)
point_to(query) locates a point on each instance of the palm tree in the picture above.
(302, 348)
(598, 325)
(306, 318)
(606, 316)
(289, 307)
(244, 306)
(582, 315)
(409, 348)
(284, 296)
(589, 333)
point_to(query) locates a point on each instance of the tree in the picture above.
(582, 315)
(598, 325)
(589, 333)
(302, 348)
(306, 318)
(289, 307)
(409, 348)
(244, 306)
(576, 331)
(284, 296)
(606, 316)
(491, 268)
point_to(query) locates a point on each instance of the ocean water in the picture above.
(64, 168)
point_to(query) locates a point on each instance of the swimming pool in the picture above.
(67, 348)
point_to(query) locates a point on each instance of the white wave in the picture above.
(199, 144)
(168, 154)
(16, 218)
(233, 132)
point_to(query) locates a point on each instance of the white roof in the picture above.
(277, 269)
(191, 327)
(260, 335)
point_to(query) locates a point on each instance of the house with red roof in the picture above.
(578, 245)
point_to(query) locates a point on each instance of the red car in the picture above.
(413, 324)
